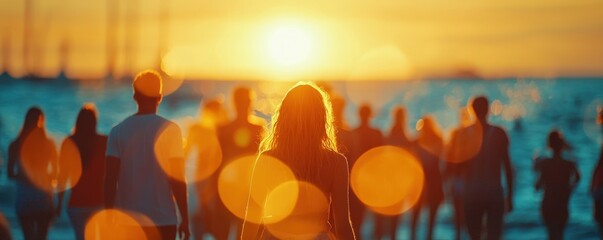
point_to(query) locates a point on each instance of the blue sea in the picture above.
(527, 108)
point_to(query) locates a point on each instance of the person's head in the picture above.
(242, 97)
(86, 120)
(303, 122)
(480, 108)
(148, 88)
(556, 141)
(428, 127)
(365, 112)
(213, 113)
(34, 118)
(399, 115)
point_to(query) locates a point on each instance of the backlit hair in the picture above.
(302, 129)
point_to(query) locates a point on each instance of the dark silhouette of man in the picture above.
(238, 138)
(484, 193)
(145, 163)
(365, 138)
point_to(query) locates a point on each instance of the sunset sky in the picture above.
(348, 40)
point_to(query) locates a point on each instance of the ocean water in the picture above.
(527, 108)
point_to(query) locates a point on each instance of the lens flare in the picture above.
(38, 160)
(117, 224)
(234, 185)
(496, 107)
(209, 152)
(306, 207)
(465, 144)
(419, 125)
(242, 137)
(280, 202)
(169, 152)
(387, 179)
(171, 84)
(70, 165)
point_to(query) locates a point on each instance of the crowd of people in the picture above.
(134, 169)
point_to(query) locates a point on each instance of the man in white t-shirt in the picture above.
(145, 164)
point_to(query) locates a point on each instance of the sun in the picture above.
(289, 45)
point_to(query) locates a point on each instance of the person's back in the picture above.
(145, 163)
(558, 177)
(365, 138)
(484, 197)
(238, 138)
(330, 162)
(88, 148)
(484, 172)
(303, 138)
(143, 184)
(89, 191)
(30, 157)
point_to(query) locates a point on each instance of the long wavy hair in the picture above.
(34, 119)
(430, 135)
(85, 131)
(303, 130)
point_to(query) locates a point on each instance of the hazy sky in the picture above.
(309, 39)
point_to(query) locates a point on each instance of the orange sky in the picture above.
(355, 40)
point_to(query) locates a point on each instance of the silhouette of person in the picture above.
(483, 193)
(87, 196)
(303, 138)
(596, 190)
(202, 136)
(29, 157)
(558, 177)
(397, 137)
(366, 138)
(137, 149)
(238, 138)
(397, 133)
(455, 154)
(429, 148)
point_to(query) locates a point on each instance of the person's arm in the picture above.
(180, 193)
(596, 172)
(63, 177)
(450, 163)
(177, 177)
(191, 140)
(12, 160)
(508, 168)
(53, 159)
(249, 230)
(111, 175)
(576, 174)
(340, 200)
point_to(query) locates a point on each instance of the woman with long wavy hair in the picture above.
(87, 194)
(30, 157)
(303, 138)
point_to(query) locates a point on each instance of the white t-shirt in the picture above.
(140, 142)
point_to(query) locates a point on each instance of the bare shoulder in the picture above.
(500, 132)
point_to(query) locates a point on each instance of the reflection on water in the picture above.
(536, 106)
